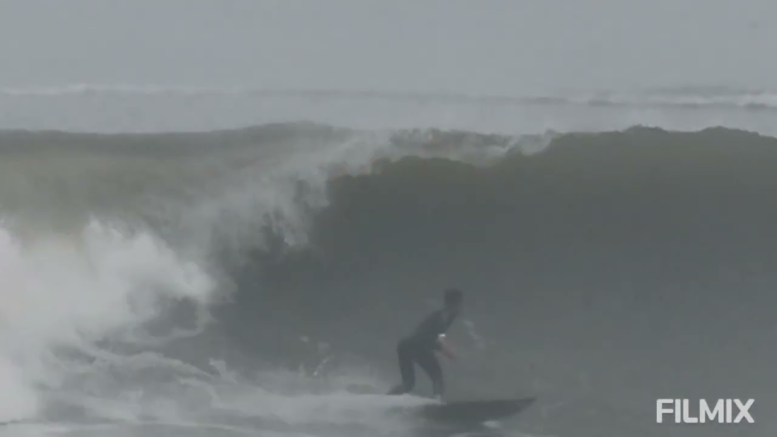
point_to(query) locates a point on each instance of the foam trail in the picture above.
(63, 295)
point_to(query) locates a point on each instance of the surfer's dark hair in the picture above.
(453, 296)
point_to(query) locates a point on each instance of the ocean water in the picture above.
(218, 262)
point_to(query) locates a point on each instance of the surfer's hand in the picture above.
(449, 353)
(445, 348)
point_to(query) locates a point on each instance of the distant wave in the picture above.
(680, 97)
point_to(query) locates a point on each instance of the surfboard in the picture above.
(475, 411)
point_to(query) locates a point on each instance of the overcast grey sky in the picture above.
(483, 46)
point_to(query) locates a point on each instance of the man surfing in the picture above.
(428, 338)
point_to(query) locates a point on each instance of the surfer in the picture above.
(428, 338)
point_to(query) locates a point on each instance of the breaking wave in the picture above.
(254, 279)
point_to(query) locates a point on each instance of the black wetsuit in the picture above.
(419, 348)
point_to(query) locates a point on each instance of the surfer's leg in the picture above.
(431, 366)
(405, 355)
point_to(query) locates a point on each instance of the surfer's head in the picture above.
(453, 299)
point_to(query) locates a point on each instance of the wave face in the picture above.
(252, 280)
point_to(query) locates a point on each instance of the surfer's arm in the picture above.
(445, 347)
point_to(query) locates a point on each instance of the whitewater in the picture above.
(238, 261)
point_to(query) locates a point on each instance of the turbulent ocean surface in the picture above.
(178, 262)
